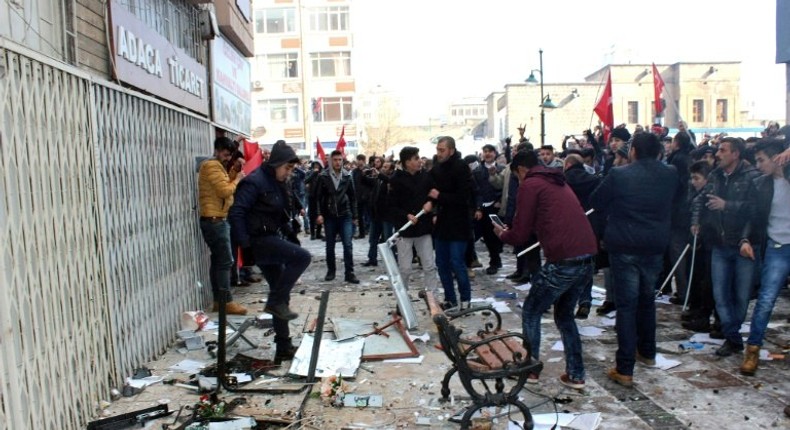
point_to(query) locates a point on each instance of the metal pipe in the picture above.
(319, 330)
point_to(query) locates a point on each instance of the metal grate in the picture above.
(100, 251)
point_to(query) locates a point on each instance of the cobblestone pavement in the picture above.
(704, 391)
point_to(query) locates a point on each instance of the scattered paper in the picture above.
(745, 328)
(664, 363)
(596, 302)
(382, 278)
(590, 331)
(663, 299)
(523, 287)
(558, 346)
(705, 338)
(242, 377)
(546, 321)
(235, 424)
(498, 306)
(149, 380)
(765, 355)
(611, 314)
(410, 360)
(598, 291)
(188, 366)
(211, 325)
(425, 337)
(590, 421)
(608, 322)
(333, 357)
(554, 359)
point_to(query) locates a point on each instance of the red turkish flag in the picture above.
(658, 88)
(604, 109)
(319, 150)
(341, 143)
(252, 157)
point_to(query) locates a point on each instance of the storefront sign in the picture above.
(148, 61)
(230, 75)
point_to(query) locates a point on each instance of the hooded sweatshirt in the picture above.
(546, 205)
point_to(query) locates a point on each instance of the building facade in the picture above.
(107, 105)
(705, 95)
(303, 87)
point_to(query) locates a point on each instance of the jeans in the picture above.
(281, 263)
(732, 277)
(585, 298)
(216, 234)
(377, 229)
(634, 279)
(345, 226)
(449, 262)
(560, 286)
(775, 270)
(424, 246)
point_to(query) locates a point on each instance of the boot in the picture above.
(750, 359)
(312, 232)
(285, 350)
(281, 311)
(231, 308)
(318, 234)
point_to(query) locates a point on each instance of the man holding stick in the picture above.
(547, 206)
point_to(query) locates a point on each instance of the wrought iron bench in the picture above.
(490, 355)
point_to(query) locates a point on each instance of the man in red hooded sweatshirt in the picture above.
(547, 206)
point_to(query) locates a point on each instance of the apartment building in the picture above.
(303, 86)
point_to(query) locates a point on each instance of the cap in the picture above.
(281, 154)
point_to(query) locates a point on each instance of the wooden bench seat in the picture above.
(490, 354)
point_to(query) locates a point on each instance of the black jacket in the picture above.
(406, 196)
(261, 207)
(486, 192)
(583, 184)
(378, 196)
(333, 202)
(454, 206)
(681, 214)
(638, 198)
(732, 224)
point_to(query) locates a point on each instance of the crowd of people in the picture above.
(712, 214)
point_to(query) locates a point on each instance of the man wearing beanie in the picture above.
(618, 139)
(261, 218)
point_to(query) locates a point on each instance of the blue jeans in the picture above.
(560, 286)
(216, 234)
(775, 270)
(449, 262)
(732, 277)
(345, 226)
(585, 298)
(635, 278)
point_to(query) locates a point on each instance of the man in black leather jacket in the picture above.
(732, 273)
(337, 211)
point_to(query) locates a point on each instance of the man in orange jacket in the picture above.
(215, 196)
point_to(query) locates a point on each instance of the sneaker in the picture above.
(583, 312)
(233, 308)
(281, 311)
(330, 276)
(729, 348)
(448, 305)
(475, 264)
(370, 264)
(521, 280)
(649, 362)
(576, 384)
(352, 279)
(491, 270)
(533, 378)
(624, 380)
(512, 276)
(605, 308)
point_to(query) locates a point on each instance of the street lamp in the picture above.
(545, 101)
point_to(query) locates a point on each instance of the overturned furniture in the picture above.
(489, 356)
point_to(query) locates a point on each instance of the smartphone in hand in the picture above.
(495, 219)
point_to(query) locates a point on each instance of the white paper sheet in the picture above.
(705, 338)
(410, 360)
(558, 346)
(590, 331)
(523, 287)
(590, 421)
(188, 366)
(664, 363)
(333, 357)
(608, 322)
(425, 337)
(149, 380)
(663, 299)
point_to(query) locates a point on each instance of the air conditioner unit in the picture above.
(258, 85)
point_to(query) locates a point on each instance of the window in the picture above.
(272, 21)
(331, 64)
(633, 112)
(279, 111)
(721, 110)
(333, 109)
(333, 18)
(278, 66)
(698, 110)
